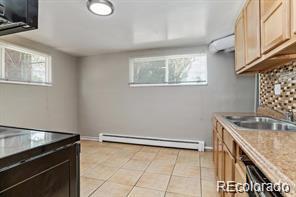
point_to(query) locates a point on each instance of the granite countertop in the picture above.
(15, 140)
(274, 152)
(19, 144)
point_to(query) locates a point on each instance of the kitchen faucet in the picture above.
(289, 114)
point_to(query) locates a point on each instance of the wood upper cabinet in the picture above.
(265, 35)
(252, 30)
(275, 23)
(240, 43)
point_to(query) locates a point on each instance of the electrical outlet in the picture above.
(277, 89)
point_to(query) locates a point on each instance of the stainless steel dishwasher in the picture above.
(256, 178)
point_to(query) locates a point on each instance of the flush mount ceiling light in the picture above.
(100, 7)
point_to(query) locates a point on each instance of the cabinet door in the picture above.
(240, 43)
(240, 177)
(215, 152)
(228, 168)
(275, 23)
(252, 27)
(220, 159)
(51, 174)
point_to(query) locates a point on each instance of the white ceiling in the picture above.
(136, 24)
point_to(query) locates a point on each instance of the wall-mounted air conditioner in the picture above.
(224, 44)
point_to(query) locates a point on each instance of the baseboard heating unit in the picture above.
(152, 141)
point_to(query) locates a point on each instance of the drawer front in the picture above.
(220, 129)
(229, 142)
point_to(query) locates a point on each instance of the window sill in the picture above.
(169, 85)
(25, 83)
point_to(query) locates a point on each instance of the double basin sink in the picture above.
(261, 123)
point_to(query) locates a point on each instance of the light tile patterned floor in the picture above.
(119, 170)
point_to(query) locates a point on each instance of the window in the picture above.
(169, 70)
(24, 66)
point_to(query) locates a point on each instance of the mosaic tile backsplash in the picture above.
(286, 77)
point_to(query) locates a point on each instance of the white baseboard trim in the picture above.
(209, 148)
(153, 141)
(89, 138)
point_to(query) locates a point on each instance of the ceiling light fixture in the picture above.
(100, 7)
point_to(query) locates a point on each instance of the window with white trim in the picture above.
(24, 66)
(189, 69)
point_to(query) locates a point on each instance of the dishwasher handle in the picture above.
(255, 176)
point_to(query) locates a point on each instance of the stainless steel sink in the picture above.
(261, 123)
(251, 118)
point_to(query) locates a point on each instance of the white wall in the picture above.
(95, 94)
(53, 108)
(108, 104)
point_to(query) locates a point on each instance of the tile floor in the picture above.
(113, 169)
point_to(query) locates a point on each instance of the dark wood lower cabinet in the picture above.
(53, 174)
